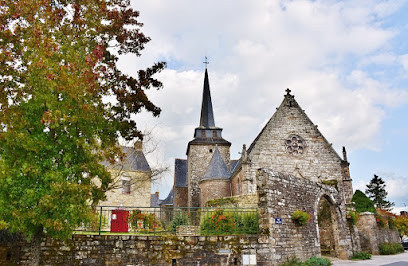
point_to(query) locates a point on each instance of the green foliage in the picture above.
(293, 261)
(317, 261)
(224, 222)
(332, 182)
(361, 256)
(352, 217)
(313, 261)
(301, 218)
(401, 222)
(144, 222)
(362, 202)
(391, 222)
(376, 191)
(391, 248)
(57, 67)
(180, 218)
(221, 202)
(381, 220)
(93, 224)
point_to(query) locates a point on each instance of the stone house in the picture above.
(131, 179)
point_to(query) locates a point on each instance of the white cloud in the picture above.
(259, 48)
(404, 61)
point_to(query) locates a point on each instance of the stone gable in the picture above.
(291, 143)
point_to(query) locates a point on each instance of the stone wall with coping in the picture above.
(371, 235)
(135, 250)
(240, 201)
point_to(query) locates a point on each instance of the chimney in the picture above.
(138, 145)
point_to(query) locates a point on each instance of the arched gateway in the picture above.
(327, 232)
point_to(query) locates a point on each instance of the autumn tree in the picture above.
(58, 67)
(401, 223)
(377, 193)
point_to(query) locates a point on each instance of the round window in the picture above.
(295, 144)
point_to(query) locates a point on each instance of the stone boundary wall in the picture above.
(134, 250)
(239, 201)
(371, 235)
(279, 196)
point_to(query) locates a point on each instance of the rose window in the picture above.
(295, 145)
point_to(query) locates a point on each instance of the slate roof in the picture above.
(154, 200)
(168, 200)
(217, 169)
(134, 161)
(207, 114)
(234, 164)
(180, 173)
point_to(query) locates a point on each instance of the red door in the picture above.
(119, 221)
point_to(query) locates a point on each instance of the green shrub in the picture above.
(218, 223)
(361, 256)
(317, 261)
(381, 220)
(391, 248)
(180, 218)
(362, 202)
(144, 222)
(250, 223)
(352, 217)
(313, 261)
(301, 218)
(224, 221)
(391, 223)
(292, 262)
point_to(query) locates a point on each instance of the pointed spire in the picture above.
(344, 154)
(217, 169)
(207, 114)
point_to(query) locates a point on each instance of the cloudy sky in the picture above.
(346, 62)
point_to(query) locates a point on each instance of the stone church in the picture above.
(289, 143)
(289, 166)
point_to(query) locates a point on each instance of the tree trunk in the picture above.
(35, 246)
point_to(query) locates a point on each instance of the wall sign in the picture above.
(278, 221)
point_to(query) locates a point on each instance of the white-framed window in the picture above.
(126, 187)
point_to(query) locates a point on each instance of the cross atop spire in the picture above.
(206, 62)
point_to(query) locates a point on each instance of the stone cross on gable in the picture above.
(288, 91)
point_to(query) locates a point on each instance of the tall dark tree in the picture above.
(377, 193)
(58, 65)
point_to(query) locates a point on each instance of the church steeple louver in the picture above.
(207, 114)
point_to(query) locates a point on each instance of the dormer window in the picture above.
(214, 133)
(203, 133)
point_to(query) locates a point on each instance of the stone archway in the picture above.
(328, 227)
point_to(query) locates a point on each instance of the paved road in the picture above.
(390, 260)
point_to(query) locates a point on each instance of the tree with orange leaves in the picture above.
(58, 65)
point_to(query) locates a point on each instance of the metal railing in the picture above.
(166, 220)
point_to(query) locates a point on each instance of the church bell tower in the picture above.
(200, 150)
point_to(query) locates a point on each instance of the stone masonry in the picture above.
(135, 250)
(279, 196)
(199, 156)
(317, 161)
